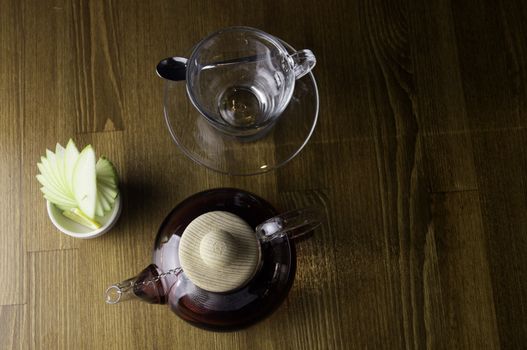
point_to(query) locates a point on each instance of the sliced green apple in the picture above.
(70, 159)
(60, 154)
(61, 207)
(109, 191)
(106, 168)
(84, 182)
(45, 180)
(51, 190)
(98, 208)
(77, 184)
(54, 166)
(108, 182)
(57, 200)
(81, 218)
(45, 169)
(106, 197)
(106, 206)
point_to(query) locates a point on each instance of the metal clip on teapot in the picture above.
(223, 260)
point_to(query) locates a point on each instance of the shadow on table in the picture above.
(140, 200)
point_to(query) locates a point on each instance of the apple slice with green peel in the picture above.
(52, 160)
(57, 200)
(106, 176)
(45, 179)
(111, 193)
(52, 191)
(84, 182)
(106, 168)
(101, 205)
(108, 182)
(105, 182)
(61, 207)
(110, 179)
(60, 154)
(98, 205)
(108, 187)
(109, 199)
(106, 206)
(70, 159)
(81, 218)
(112, 190)
(106, 173)
(45, 169)
(98, 209)
(104, 202)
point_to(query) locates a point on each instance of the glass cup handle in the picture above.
(304, 61)
(293, 224)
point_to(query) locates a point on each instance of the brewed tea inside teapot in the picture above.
(223, 259)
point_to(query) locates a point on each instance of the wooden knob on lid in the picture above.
(219, 251)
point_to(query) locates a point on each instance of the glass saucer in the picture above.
(208, 146)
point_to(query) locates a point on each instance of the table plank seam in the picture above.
(474, 131)
(454, 191)
(100, 132)
(51, 250)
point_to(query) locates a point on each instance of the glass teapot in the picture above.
(223, 259)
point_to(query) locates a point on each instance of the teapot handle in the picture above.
(293, 224)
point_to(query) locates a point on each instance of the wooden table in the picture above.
(420, 158)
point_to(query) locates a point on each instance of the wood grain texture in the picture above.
(458, 289)
(98, 90)
(49, 110)
(54, 317)
(502, 166)
(12, 322)
(419, 159)
(12, 260)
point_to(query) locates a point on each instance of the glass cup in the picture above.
(241, 79)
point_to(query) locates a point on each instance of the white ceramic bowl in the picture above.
(73, 229)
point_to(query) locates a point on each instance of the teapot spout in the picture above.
(146, 286)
